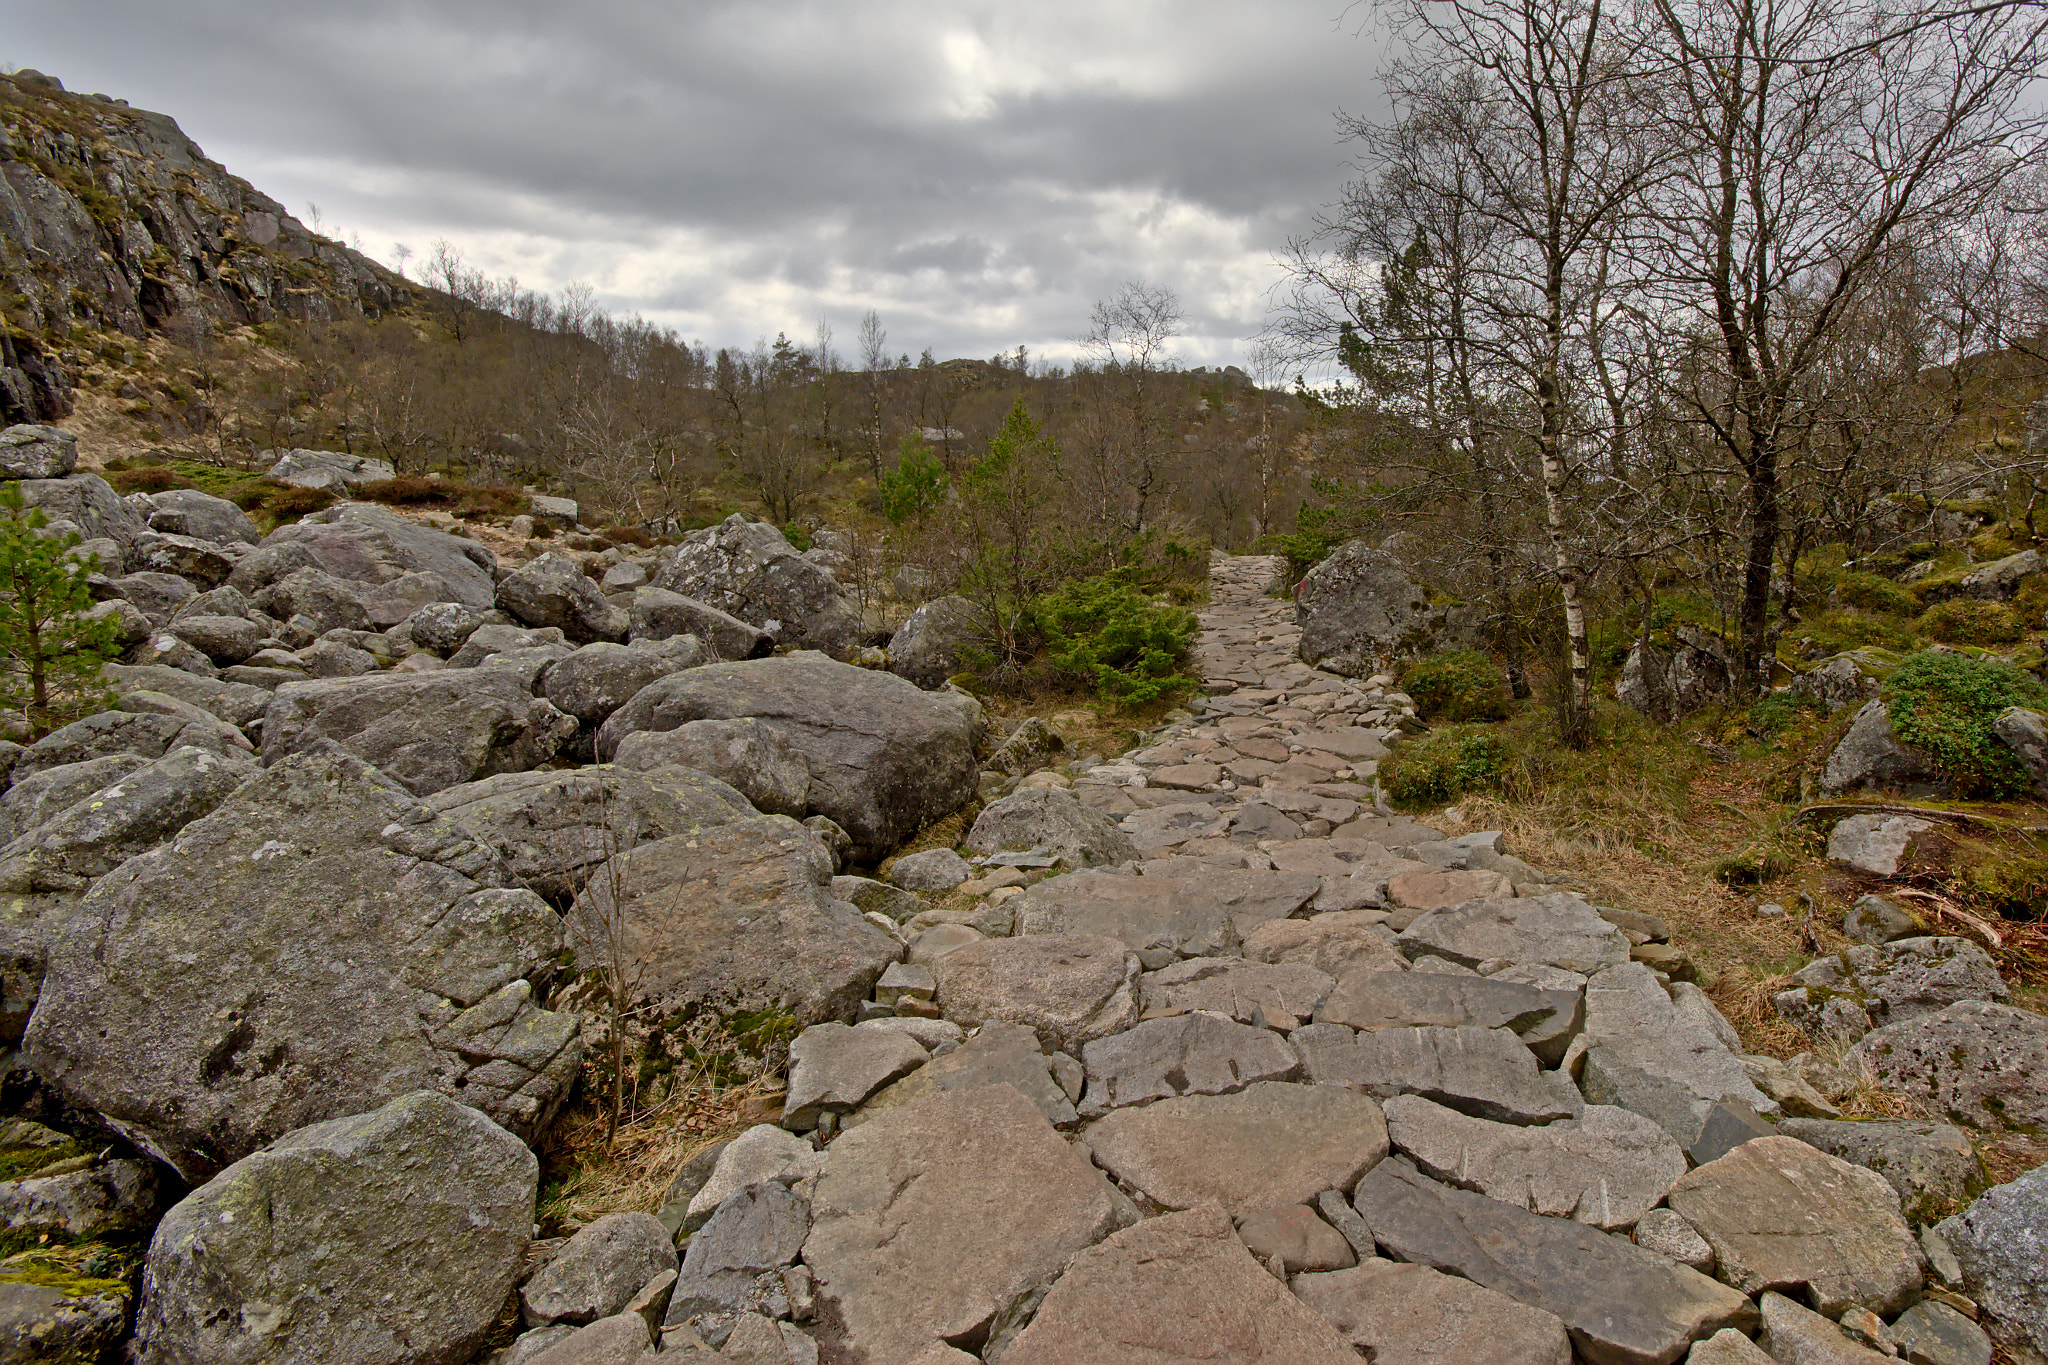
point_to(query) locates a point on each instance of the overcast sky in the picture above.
(978, 173)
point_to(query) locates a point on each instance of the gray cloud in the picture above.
(977, 172)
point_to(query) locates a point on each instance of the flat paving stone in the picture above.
(1187, 1054)
(1487, 1073)
(1413, 1315)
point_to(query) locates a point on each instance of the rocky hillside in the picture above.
(392, 848)
(114, 224)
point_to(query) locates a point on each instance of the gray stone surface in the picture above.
(317, 945)
(328, 602)
(1181, 1287)
(31, 451)
(1668, 1234)
(1556, 930)
(750, 571)
(1054, 821)
(1979, 1064)
(1334, 942)
(44, 795)
(1279, 994)
(763, 1153)
(944, 1220)
(136, 811)
(370, 545)
(1870, 756)
(1188, 1054)
(994, 1054)
(1900, 980)
(730, 1266)
(189, 512)
(1270, 1143)
(1413, 1315)
(657, 614)
(1795, 1335)
(1361, 612)
(1621, 1304)
(1372, 1000)
(601, 677)
(1932, 1333)
(1931, 1165)
(934, 872)
(835, 1068)
(1874, 919)
(928, 647)
(110, 1200)
(425, 731)
(443, 626)
(2001, 1242)
(312, 1249)
(886, 759)
(1486, 1073)
(1069, 989)
(328, 469)
(1164, 917)
(1605, 1167)
(1782, 1215)
(1727, 1347)
(554, 827)
(1296, 1237)
(146, 734)
(1878, 845)
(41, 1322)
(756, 759)
(598, 1271)
(1644, 1054)
(553, 590)
(739, 916)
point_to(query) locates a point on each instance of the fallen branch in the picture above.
(1944, 906)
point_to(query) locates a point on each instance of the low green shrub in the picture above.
(1457, 684)
(1104, 633)
(1967, 621)
(1875, 593)
(1944, 705)
(1443, 765)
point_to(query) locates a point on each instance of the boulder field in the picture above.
(1194, 1053)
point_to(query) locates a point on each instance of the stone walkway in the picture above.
(1214, 1058)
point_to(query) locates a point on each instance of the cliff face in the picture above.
(112, 220)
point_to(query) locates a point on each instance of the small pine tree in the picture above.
(51, 648)
(916, 487)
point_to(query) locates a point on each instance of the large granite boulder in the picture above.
(1782, 1215)
(2001, 1243)
(317, 945)
(189, 512)
(330, 603)
(599, 678)
(1362, 612)
(886, 759)
(333, 470)
(931, 645)
(658, 614)
(426, 731)
(597, 1272)
(1869, 755)
(1622, 1305)
(363, 543)
(944, 1220)
(746, 568)
(1667, 684)
(554, 827)
(1977, 1063)
(738, 916)
(1867, 986)
(1932, 1165)
(147, 734)
(86, 501)
(994, 1054)
(29, 451)
(386, 1238)
(1187, 1289)
(751, 756)
(137, 811)
(553, 590)
(1079, 836)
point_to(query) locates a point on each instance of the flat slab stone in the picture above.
(1173, 825)
(1900, 980)
(1070, 989)
(935, 1219)
(1249, 992)
(1796, 1335)
(1186, 1054)
(1370, 1000)
(1271, 1143)
(1487, 1073)
(1334, 943)
(1782, 1215)
(1412, 1315)
(1979, 1064)
(1187, 776)
(1177, 1288)
(1645, 1054)
(997, 1053)
(1621, 1304)
(1557, 930)
(834, 1068)
(1297, 1237)
(2000, 1241)
(1434, 890)
(1164, 917)
(1606, 1168)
